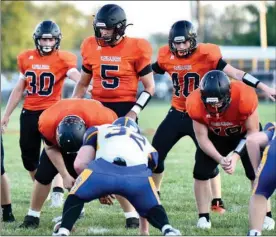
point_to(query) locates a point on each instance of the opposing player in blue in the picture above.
(116, 159)
(265, 182)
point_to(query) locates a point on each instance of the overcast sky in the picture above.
(151, 16)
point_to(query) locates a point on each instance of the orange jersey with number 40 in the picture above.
(186, 73)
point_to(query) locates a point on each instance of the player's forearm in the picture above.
(150, 89)
(79, 90)
(13, 101)
(209, 149)
(57, 160)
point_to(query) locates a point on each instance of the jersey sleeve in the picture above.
(248, 100)
(20, 63)
(86, 66)
(143, 57)
(90, 137)
(46, 127)
(214, 55)
(193, 106)
(71, 60)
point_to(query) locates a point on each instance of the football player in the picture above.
(223, 114)
(265, 183)
(42, 74)
(186, 61)
(62, 126)
(116, 63)
(116, 159)
(6, 205)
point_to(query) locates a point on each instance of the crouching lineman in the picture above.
(116, 159)
(223, 113)
(62, 126)
(265, 183)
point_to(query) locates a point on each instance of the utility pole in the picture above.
(263, 33)
(200, 20)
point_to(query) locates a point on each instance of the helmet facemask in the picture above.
(216, 106)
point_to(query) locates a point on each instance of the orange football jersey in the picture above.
(91, 111)
(186, 73)
(116, 69)
(44, 76)
(244, 102)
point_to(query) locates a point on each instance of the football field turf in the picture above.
(176, 192)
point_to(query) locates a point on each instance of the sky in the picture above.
(152, 16)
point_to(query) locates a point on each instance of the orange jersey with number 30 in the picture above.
(44, 76)
(91, 111)
(186, 73)
(116, 69)
(244, 102)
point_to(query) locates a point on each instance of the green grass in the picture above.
(177, 189)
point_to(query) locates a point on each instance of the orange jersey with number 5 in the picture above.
(116, 69)
(91, 111)
(186, 73)
(44, 76)
(244, 102)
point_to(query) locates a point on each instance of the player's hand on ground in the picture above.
(131, 114)
(107, 200)
(68, 182)
(4, 123)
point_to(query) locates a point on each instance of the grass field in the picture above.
(177, 190)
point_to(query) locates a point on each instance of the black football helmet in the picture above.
(110, 16)
(47, 29)
(69, 133)
(215, 92)
(181, 31)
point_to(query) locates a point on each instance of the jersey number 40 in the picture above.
(190, 83)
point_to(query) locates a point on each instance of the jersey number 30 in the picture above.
(38, 84)
(191, 82)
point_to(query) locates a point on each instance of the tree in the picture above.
(16, 28)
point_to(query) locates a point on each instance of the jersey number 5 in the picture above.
(109, 82)
(190, 77)
(43, 79)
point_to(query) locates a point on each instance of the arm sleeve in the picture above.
(157, 69)
(90, 137)
(143, 57)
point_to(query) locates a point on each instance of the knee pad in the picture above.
(205, 176)
(39, 177)
(160, 167)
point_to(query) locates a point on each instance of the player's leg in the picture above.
(57, 192)
(30, 140)
(6, 205)
(269, 223)
(264, 186)
(217, 204)
(166, 136)
(141, 192)
(43, 178)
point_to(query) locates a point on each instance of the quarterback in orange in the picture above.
(115, 64)
(223, 114)
(42, 72)
(62, 126)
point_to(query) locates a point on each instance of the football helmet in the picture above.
(127, 122)
(46, 30)
(181, 31)
(69, 133)
(110, 16)
(215, 92)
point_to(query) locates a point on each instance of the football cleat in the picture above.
(269, 223)
(218, 207)
(254, 233)
(57, 199)
(30, 222)
(60, 231)
(172, 232)
(132, 223)
(202, 223)
(9, 217)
